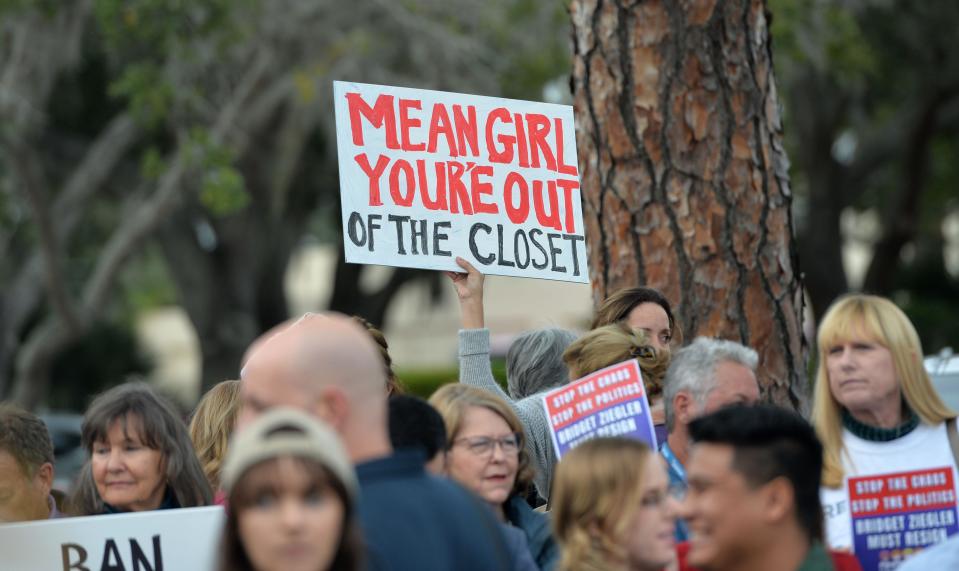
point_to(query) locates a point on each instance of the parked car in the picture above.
(67, 447)
(943, 369)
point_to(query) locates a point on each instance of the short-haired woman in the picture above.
(486, 453)
(875, 409)
(140, 456)
(611, 344)
(612, 509)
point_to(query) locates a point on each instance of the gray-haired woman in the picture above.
(141, 457)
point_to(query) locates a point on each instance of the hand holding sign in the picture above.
(469, 290)
(427, 175)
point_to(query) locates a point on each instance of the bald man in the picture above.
(327, 365)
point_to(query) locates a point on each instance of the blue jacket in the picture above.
(412, 520)
(536, 526)
(520, 557)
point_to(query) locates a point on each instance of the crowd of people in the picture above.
(322, 463)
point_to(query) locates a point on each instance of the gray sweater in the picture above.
(475, 370)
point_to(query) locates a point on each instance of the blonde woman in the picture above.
(210, 430)
(611, 344)
(486, 453)
(612, 510)
(605, 346)
(875, 408)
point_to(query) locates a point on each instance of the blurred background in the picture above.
(168, 184)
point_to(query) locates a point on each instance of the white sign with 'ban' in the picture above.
(173, 540)
(427, 175)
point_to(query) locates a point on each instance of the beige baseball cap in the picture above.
(287, 432)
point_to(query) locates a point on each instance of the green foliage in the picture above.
(152, 164)
(223, 191)
(824, 35)
(150, 95)
(222, 188)
(146, 284)
(424, 382)
(149, 42)
(12, 7)
(152, 29)
(173, 64)
(525, 76)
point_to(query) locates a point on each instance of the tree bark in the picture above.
(684, 175)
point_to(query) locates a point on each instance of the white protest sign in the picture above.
(427, 175)
(175, 540)
(609, 402)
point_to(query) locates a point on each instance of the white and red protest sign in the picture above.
(184, 539)
(427, 175)
(609, 402)
(897, 515)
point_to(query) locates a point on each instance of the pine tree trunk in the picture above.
(684, 175)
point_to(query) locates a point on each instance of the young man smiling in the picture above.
(753, 498)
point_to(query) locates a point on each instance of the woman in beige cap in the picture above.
(291, 491)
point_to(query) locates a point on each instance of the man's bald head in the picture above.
(299, 363)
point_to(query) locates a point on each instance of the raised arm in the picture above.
(469, 290)
(475, 369)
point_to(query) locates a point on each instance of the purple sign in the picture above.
(897, 515)
(609, 402)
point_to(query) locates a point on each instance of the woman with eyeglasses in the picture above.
(535, 361)
(612, 508)
(486, 453)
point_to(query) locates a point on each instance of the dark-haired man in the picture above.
(753, 497)
(26, 467)
(414, 423)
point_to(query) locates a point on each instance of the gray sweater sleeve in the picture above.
(475, 370)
